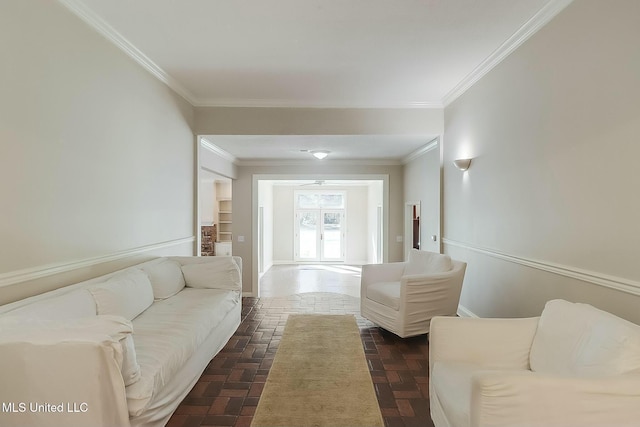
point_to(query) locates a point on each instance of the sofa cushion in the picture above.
(423, 262)
(385, 293)
(75, 304)
(167, 335)
(578, 339)
(40, 331)
(126, 294)
(166, 278)
(452, 382)
(219, 273)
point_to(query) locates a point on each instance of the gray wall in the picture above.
(549, 207)
(318, 121)
(96, 154)
(422, 184)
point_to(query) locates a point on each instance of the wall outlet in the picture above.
(240, 238)
(399, 239)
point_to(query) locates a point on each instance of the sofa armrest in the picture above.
(62, 382)
(188, 260)
(212, 272)
(525, 398)
(489, 343)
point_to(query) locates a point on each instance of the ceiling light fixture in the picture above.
(320, 154)
(462, 164)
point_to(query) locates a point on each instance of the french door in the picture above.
(319, 235)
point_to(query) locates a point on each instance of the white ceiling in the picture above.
(318, 53)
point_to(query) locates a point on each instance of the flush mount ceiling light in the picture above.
(319, 154)
(462, 164)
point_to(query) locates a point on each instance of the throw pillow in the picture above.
(126, 294)
(166, 278)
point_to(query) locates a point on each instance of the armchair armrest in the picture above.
(489, 343)
(373, 273)
(525, 398)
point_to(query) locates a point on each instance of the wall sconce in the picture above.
(320, 154)
(462, 164)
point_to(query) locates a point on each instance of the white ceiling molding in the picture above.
(283, 103)
(341, 162)
(420, 151)
(544, 15)
(102, 27)
(218, 151)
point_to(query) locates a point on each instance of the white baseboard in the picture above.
(465, 312)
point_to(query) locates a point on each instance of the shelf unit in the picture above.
(225, 221)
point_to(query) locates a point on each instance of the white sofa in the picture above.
(118, 350)
(574, 366)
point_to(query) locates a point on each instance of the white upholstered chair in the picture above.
(574, 366)
(402, 297)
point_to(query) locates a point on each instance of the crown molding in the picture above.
(422, 150)
(618, 283)
(106, 30)
(289, 103)
(540, 19)
(218, 151)
(325, 162)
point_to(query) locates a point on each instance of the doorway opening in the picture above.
(215, 215)
(318, 220)
(411, 227)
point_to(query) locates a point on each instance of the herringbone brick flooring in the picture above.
(228, 392)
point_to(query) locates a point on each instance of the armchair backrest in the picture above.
(424, 262)
(579, 339)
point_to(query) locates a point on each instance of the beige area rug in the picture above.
(319, 377)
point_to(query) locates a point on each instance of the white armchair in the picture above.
(402, 297)
(574, 366)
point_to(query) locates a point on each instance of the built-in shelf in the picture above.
(225, 220)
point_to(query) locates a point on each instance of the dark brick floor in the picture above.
(228, 391)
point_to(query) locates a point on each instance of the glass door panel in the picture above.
(332, 235)
(308, 236)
